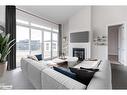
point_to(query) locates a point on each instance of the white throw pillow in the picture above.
(33, 57)
(88, 64)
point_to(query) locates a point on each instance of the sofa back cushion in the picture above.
(54, 80)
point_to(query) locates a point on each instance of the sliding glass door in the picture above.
(22, 43)
(36, 42)
(32, 39)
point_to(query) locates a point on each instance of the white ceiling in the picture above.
(57, 14)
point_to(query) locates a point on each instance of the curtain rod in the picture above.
(36, 16)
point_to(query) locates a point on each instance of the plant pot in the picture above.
(3, 68)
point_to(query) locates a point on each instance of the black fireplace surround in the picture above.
(80, 53)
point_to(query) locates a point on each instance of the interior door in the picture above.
(122, 45)
(119, 45)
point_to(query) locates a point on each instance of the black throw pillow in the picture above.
(82, 75)
(92, 69)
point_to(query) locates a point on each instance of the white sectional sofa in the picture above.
(43, 77)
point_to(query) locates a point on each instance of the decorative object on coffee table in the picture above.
(60, 62)
(68, 61)
(62, 56)
(5, 49)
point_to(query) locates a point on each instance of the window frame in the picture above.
(42, 30)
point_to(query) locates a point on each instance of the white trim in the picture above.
(114, 24)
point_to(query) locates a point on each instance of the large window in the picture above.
(34, 39)
(22, 43)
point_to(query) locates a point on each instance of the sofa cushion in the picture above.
(84, 76)
(39, 57)
(54, 80)
(66, 72)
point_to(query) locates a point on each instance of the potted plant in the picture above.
(5, 48)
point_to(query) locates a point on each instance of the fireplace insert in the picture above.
(80, 53)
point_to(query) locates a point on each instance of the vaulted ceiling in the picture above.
(57, 14)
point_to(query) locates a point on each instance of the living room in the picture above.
(69, 32)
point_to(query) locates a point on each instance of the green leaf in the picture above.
(5, 46)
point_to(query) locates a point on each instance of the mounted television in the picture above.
(79, 37)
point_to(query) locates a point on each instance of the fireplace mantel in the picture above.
(86, 46)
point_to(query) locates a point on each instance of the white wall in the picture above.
(113, 41)
(2, 15)
(97, 19)
(102, 16)
(81, 22)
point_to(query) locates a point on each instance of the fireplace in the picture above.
(80, 53)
